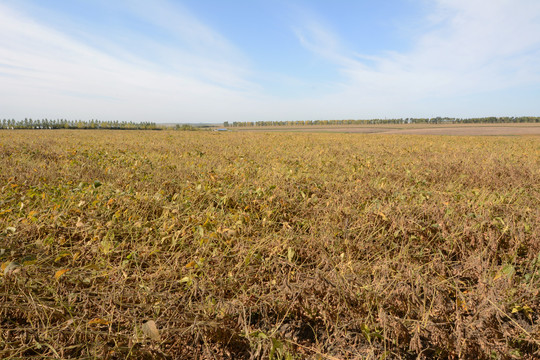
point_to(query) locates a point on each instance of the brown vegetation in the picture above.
(139, 245)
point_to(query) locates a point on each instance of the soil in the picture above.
(460, 130)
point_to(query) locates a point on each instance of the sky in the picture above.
(210, 61)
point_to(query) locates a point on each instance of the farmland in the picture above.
(273, 245)
(411, 129)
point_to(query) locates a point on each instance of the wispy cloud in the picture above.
(469, 47)
(45, 72)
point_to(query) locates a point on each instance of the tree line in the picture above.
(436, 120)
(76, 124)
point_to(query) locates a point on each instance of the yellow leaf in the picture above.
(290, 254)
(190, 265)
(10, 267)
(462, 304)
(60, 256)
(60, 273)
(186, 280)
(98, 321)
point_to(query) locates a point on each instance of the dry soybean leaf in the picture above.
(67, 324)
(76, 256)
(149, 329)
(98, 321)
(60, 256)
(290, 254)
(60, 273)
(10, 268)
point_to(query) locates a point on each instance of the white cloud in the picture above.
(470, 47)
(47, 73)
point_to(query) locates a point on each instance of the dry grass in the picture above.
(254, 245)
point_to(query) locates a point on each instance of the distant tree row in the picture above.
(75, 124)
(185, 127)
(436, 120)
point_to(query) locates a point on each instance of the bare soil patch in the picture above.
(415, 129)
(471, 131)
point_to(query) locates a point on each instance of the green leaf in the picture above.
(188, 280)
(508, 270)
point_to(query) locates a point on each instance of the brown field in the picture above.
(414, 129)
(258, 245)
(471, 131)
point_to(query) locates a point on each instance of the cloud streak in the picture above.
(47, 73)
(470, 47)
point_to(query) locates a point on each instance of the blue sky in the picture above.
(214, 61)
